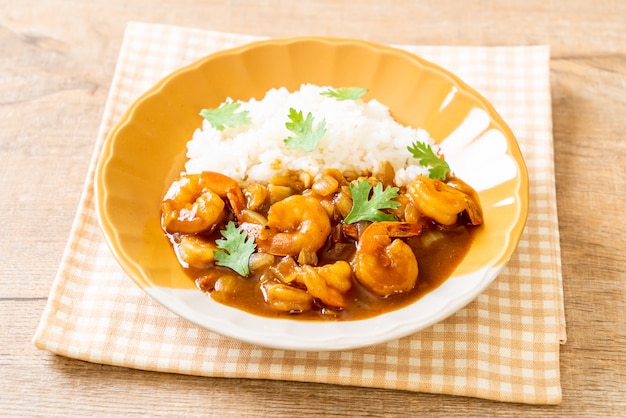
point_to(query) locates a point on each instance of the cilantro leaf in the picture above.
(306, 137)
(226, 115)
(235, 249)
(345, 93)
(366, 208)
(439, 169)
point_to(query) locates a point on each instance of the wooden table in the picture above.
(58, 59)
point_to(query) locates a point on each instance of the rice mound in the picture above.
(359, 137)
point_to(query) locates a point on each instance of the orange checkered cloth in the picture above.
(503, 346)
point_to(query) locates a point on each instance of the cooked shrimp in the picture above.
(195, 202)
(443, 202)
(385, 265)
(196, 251)
(328, 283)
(474, 210)
(294, 224)
(284, 298)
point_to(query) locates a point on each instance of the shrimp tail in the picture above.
(405, 229)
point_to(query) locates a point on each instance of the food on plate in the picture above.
(196, 202)
(383, 262)
(316, 204)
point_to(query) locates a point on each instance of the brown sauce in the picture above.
(437, 262)
(438, 251)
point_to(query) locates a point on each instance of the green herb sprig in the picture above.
(345, 93)
(235, 249)
(439, 169)
(305, 137)
(370, 208)
(226, 115)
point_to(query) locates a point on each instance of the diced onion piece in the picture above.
(337, 174)
(278, 193)
(252, 217)
(281, 180)
(329, 206)
(260, 260)
(284, 269)
(325, 184)
(343, 202)
(387, 174)
(430, 237)
(256, 195)
(411, 214)
(290, 179)
(306, 179)
(307, 257)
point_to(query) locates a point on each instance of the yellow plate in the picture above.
(145, 151)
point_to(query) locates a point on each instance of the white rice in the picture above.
(359, 137)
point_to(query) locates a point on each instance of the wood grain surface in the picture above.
(57, 62)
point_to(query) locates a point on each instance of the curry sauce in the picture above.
(306, 259)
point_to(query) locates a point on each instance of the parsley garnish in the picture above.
(345, 93)
(439, 169)
(236, 248)
(226, 115)
(366, 208)
(306, 138)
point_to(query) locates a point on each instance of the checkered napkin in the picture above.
(503, 346)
